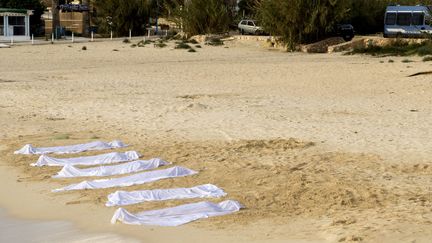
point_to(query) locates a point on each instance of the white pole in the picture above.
(92, 36)
(166, 32)
(32, 38)
(73, 37)
(12, 40)
(130, 34)
(52, 38)
(111, 35)
(148, 33)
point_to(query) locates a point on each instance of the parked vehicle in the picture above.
(346, 31)
(248, 26)
(408, 21)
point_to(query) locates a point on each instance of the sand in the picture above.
(319, 148)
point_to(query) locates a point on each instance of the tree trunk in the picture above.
(55, 16)
(86, 19)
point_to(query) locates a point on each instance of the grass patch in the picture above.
(94, 137)
(396, 48)
(198, 46)
(407, 61)
(126, 41)
(391, 61)
(215, 42)
(144, 43)
(133, 45)
(192, 50)
(182, 45)
(427, 59)
(160, 45)
(61, 136)
(84, 48)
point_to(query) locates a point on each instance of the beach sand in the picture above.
(319, 148)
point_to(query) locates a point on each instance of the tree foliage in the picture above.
(125, 15)
(299, 21)
(203, 16)
(35, 5)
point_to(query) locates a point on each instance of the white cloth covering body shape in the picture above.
(100, 159)
(137, 179)
(123, 198)
(71, 149)
(177, 215)
(70, 171)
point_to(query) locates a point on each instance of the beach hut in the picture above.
(15, 24)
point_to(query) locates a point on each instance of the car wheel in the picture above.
(242, 32)
(348, 37)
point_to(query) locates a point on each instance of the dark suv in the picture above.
(346, 31)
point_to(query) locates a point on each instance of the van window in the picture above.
(390, 19)
(250, 23)
(417, 19)
(404, 19)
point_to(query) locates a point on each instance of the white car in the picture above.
(248, 26)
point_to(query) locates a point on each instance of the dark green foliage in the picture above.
(198, 46)
(35, 5)
(202, 16)
(126, 40)
(126, 15)
(299, 21)
(84, 48)
(191, 50)
(406, 61)
(397, 48)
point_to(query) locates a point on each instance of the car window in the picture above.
(251, 23)
(390, 19)
(417, 19)
(404, 19)
(243, 22)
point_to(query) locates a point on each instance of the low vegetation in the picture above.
(396, 48)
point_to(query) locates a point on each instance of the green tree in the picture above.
(299, 21)
(125, 14)
(202, 16)
(35, 5)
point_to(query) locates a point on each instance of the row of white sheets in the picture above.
(71, 149)
(136, 179)
(163, 217)
(70, 171)
(123, 198)
(101, 159)
(179, 215)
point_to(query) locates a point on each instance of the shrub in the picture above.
(299, 21)
(427, 59)
(182, 45)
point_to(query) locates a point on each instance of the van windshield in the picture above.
(404, 19)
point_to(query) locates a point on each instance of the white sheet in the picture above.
(136, 179)
(71, 149)
(70, 171)
(177, 215)
(100, 159)
(123, 198)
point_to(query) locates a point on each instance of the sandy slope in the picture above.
(358, 169)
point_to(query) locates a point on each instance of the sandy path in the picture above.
(359, 168)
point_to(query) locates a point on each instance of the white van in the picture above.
(408, 21)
